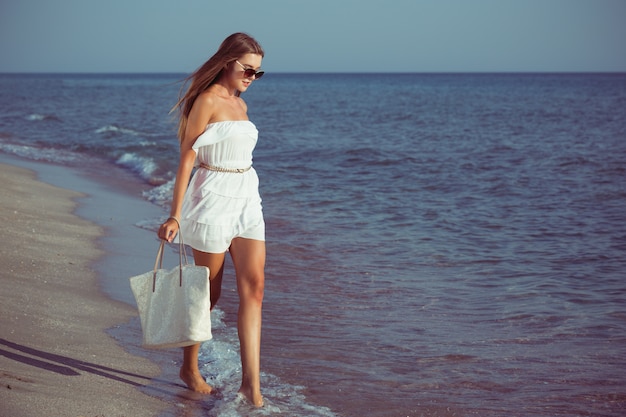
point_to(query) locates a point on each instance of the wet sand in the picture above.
(56, 357)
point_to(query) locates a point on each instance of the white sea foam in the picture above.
(117, 129)
(144, 166)
(40, 154)
(223, 370)
(35, 117)
(162, 194)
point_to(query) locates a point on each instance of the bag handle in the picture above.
(182, 254)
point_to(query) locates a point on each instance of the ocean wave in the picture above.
(35, 117)
(40, 154)
(161, 195)
(144, 166)
(114, 129)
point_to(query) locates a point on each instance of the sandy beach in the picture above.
(55, 355)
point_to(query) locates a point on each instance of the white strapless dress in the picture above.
(220, 206)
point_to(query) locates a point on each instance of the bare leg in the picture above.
(249, 261)
(215, 263)
(189, 371)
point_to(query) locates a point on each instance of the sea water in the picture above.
(438, 244)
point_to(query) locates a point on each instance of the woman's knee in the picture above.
(252, 287)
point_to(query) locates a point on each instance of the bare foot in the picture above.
(254, 398)
(195, 382)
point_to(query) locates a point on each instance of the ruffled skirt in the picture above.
(209, 221)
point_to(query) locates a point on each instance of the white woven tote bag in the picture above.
(174, 306)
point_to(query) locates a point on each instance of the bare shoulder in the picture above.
(203, 110)
(207, 100)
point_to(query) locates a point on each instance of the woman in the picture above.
(220, 208)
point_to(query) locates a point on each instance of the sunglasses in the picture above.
(249, 72)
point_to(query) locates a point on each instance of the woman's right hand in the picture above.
(168, 230)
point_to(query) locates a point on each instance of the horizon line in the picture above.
(313, 72)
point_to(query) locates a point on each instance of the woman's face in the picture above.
(238, 71)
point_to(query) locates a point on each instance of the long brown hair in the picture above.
(231, 49)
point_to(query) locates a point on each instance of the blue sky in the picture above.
(315, 35)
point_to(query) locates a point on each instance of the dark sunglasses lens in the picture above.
(249, 73)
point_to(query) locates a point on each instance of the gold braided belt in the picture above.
(221, 169)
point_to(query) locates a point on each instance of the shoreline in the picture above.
(112, 203)
(59, 348)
